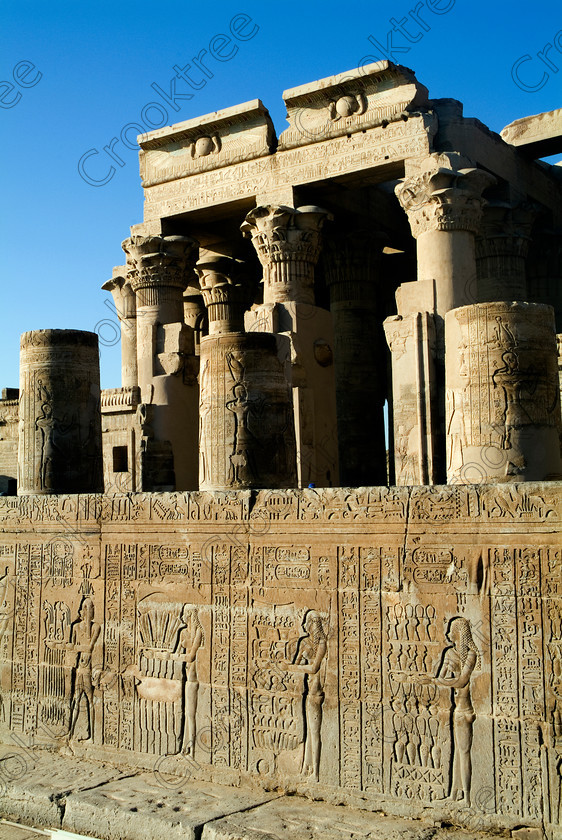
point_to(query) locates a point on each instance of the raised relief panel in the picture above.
(430, 715)
(289, 648)
(219, 139)
(503, 410)
(353, 101)
(426, 670)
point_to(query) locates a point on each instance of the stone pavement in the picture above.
(96, 800)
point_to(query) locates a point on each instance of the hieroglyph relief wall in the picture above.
(397, 647)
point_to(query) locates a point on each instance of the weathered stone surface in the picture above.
(311, 640)
(247, 434)
(503, 403)
(36, 783)
(9, 417)
(288, 818)
(142, 808)
(537, 136)
(219, 139)
(353, 101)
(11, 831)
(60, 422)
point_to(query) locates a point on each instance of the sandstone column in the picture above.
(125, 305)
(246, 417)
(287, 241)
(161, 267)
(503, 399)
(444, 204)
(501, 251)
(352, 268)
(443, 200)
(60, 419)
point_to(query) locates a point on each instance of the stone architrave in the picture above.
(246, 413)
(503, 399)
(160, 269)
(125, 305)
(60, 448)
(443, 200)
(288, 243)
(352, 270)
(501, 251)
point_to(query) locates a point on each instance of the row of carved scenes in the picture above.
(520, 503)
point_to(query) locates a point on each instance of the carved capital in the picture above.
(122, 293)
(224, 292)
(445, 195)
(506, 229)
(351, 260)
(157, 263)
(287, 242)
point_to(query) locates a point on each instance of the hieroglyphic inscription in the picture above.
(321, 160)
(239, 658)
(504, 682)
(114, 689)
(531, 690)
(350, 667)
(127, 638)
(552, 623)
(371, 671)
(220, 704)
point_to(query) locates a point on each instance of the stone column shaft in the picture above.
(60, 449)
(443, 200)
(501, 251)
(412, 339)
(125, 305)
(503, 401)
(444, 206)
(447, 258)
(287, 241)
(246, 413)
(160, 269)
(351, 267)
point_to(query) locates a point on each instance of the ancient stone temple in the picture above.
(308, 554)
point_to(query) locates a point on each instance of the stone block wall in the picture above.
(393, 648)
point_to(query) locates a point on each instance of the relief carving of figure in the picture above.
(52, 448)
(511, 381)
(191, 638)
(310, 655)
(455, 672)
(456, 435)
(242, 461)
(83, 637)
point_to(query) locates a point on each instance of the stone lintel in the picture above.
(351, 101)
(537, 136)
(242, 132)
(265, 176)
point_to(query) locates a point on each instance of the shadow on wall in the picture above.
(8, 485)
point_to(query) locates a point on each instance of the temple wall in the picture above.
(388, 647)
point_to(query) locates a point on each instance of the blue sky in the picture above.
(61, 236)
